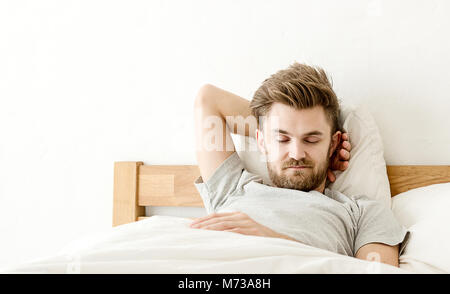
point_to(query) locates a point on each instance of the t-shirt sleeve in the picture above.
(226, 181)
(377, 224)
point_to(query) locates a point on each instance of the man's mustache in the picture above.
(297, 163)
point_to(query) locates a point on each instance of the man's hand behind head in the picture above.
(340, 158)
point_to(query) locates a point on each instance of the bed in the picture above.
(418, 195)
(166, 245)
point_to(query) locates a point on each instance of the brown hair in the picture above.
(300, 86)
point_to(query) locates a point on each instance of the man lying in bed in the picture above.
(298, 132)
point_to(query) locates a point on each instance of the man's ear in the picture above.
(335, 140)
(260, 141)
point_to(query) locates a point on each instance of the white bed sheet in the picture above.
(166, 245)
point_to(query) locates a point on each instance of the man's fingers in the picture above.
(211, 216)
(343, 165)
(220, 226)
(331, 176)
(218, 217)
(344, 155)
(213, 220)
(347, 146)
(345, 142)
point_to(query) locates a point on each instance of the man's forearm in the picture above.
(234, 109)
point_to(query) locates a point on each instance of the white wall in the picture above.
(87, 83)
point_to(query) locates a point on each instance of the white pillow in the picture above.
(424, 212)
(366, 173)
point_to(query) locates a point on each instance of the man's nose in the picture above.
(297, 151)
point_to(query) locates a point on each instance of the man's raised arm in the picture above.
(216, 111)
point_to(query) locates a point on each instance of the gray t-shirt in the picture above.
(332, 221)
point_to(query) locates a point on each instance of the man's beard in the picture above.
(306, 179)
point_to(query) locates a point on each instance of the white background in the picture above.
(87, 83)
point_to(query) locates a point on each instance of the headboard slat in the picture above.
(406, 177)
(168, 185)
(126, 208)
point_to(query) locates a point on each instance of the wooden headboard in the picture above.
(137, 185)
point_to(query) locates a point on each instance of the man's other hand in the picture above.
(237, 222)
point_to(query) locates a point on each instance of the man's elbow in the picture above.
(203, 97)
(379, 252)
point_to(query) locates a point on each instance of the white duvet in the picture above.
(166, 245)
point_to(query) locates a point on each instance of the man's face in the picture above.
(298, 147)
